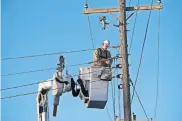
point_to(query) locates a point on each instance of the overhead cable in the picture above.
(141, 55)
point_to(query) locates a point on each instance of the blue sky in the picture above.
(32, 27)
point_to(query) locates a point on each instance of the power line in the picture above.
(24, 85)
(25, 72)
(158, 60)
(91, 36)
(30, 93)
(141, 56)
(113, 97)
(108, 113)
(48, 54)
(45, 54)
(140, 101)
(114, 88)
(25, 94)
(47, 69)
(30, 84)
(113, 93)
(39, 70)
(133, 31)
(19, 95)
(19, 86)
(119, 98)
(88, 18)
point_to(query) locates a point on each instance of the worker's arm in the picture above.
(96, 58)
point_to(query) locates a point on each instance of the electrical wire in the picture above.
(48, 108)
(25, 94)
(24, 85)
(26, 72)
(133, 31)
(14, 87)
(113, 87)
(113, 97)
(141, 56)
(119, 97)
(47, 69)
(49, 54)
(114, 83)
(90, 29)
(108, 113)
(45, 54)
(113, 93)
(19, 95)
(140, 101)
(158, 62)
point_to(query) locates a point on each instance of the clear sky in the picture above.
(32, 27)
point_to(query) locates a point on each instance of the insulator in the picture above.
(102, 18)
(159, 1)
(120, 86)
(86, 5)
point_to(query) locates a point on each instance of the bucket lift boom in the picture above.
(59, 85)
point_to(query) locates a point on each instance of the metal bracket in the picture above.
(131, 14)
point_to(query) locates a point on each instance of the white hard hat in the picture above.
(106, 42)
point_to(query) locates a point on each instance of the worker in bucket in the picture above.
(102, 57)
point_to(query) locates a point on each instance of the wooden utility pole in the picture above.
(123, 45)
(124, 60)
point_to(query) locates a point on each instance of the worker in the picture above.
(102, 57)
